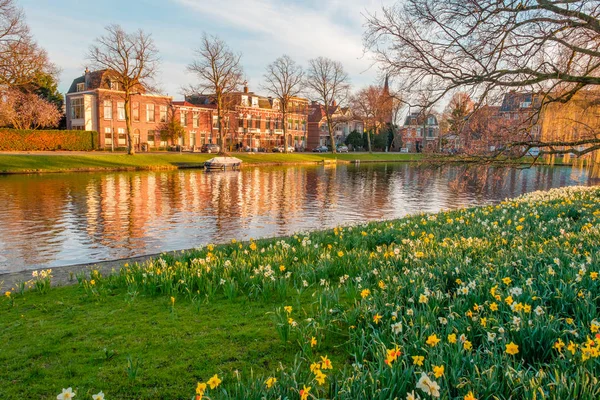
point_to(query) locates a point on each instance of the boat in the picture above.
(222, 164)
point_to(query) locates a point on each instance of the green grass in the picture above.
(72, 162)
(48, 341)
(505, 298)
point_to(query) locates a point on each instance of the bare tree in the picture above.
(457, 111)
(220, 73)
(548, 47)
(367, 103)
(132, 59)
(284, 80)
(329, 84)
(21, 59)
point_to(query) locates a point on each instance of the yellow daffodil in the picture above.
(214, 381)
(512, 349)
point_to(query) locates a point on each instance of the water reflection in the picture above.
(53, 220)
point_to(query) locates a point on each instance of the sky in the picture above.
(261, 30)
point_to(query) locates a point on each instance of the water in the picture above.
(64, 219)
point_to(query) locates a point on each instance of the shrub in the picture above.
(49, 140)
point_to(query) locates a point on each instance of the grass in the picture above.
(63, 162)
(489, 302)
(67, 335)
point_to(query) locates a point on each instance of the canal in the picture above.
(62, 219)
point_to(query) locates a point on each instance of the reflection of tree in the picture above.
(122, 214)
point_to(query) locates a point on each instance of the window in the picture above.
(120, 110)
(150, 117)
(107, 109)
(296, 125)
(289, 124)
(107, 136)
(136, 111)
(245, 101)
(215, 122)
(254, 101)
(268, 123)
(77, 110)
(257, 122)
(195, 120)
(275, 104)
(151, 135)
(80, 87)
(240, 121)
(304, 126)
(163, 113)
(183, 118)
(114, 85)
(122, 137)
(78, 128)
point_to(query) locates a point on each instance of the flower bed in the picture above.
(490, 302)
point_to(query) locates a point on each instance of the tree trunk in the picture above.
(220, 125)
(369, 141)
(130, 148)
(285, 131)
(331, 136)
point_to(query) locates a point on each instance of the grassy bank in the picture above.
(491, 302)
(63, 162)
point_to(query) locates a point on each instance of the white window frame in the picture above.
(163, 114)
(150, 112)
(121, 111)
(108, 110)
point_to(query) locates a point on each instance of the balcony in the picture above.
(278, 131)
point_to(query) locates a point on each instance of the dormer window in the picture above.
(81, 87)
(114, 85)
(255, 101)
(245, 101)
(275, 104)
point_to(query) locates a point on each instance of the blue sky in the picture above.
(261, 29)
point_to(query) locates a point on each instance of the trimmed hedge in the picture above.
(49, 140)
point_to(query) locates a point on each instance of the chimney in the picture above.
(333, 103)
(86, 75)
(245, 88)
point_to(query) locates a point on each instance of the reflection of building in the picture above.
(256, 121)
(420, 133)
(95, 102)
(343, 121)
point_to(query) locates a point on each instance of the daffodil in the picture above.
(433, 340)
(304, 392)
(67, 394)
(214, 381)
(270, 382)
(512, 349)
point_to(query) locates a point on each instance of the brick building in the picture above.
(420, 133)
(344, 122)
(95, 102)
(254, 121)
(197, 121)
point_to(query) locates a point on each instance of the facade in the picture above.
(255, 122)
(95, 102)
(344, 122)
(419, 133)
(196, 121)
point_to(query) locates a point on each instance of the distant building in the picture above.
(95, 102)
(344, 122)
(197, 122)
(255, 121)
(420, 133)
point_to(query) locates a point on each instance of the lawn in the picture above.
(103, 161)
(490, 302)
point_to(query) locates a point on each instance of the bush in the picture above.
(49, 140)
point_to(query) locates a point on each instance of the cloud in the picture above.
(304, 30)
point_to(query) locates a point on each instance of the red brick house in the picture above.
(343, 119)
(197, 122)
(420, 133)
(255, 121)
(95, 102)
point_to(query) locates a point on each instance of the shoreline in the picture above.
(65, 162)
(69, 162)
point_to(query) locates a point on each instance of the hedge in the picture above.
(49, 140)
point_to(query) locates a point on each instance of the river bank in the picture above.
(420, 304)
(57, 162)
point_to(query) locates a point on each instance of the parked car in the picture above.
(281, 149)
(210, 148)
(342, 149)
(321, 149)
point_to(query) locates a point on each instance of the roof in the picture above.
(94, 80)
(416, 118)
(185, 103)
(516, 101)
